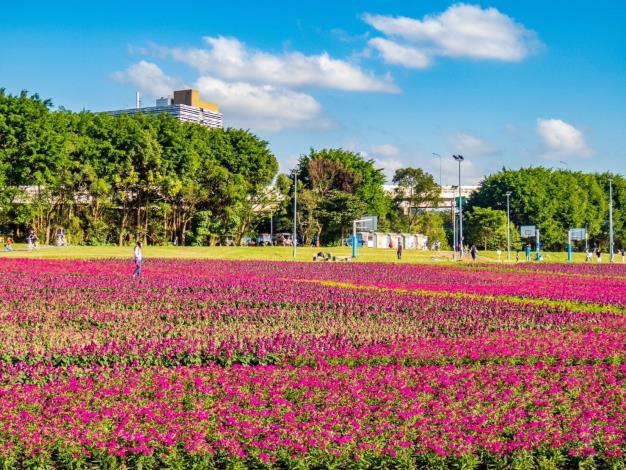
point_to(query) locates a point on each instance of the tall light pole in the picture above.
(611, 219)
(294, 241)
(437, 155)
(508, 226)
(453, 230)
(459, 159)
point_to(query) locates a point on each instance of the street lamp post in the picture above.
(611, 219)
(294, 241)
(453, 231)
(508, 226)
(437, 155)
(459, 159)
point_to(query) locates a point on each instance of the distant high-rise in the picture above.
(186, 105)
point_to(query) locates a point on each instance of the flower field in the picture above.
(224, 364)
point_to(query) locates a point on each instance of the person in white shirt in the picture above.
(138, 259)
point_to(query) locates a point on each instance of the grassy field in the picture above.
(266, 253)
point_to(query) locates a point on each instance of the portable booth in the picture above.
(409, 241)
(381, 240)
(394, 238)
(421, 241)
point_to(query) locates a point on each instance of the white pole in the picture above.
(295, 211)
(611, 218)
(508, 227)
(453, 230)
(460, 212)
(354, 239)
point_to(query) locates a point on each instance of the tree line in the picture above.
(556, 201)
(105, 179)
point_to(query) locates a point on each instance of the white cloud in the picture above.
(461, 31)
(385, 150)
(561, 139)
(470, 145)
(383, 156)
(394, 53)
(471, 173)
(264, 107)
(230, 59)
(149, 78)
(389, 166)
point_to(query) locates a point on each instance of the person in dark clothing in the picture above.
(473, 252)
(399, 250)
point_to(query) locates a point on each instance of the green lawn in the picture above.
(263, 253)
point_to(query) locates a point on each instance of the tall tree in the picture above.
(330, 172)
(416, 189)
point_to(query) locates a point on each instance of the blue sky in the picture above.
(505, 83)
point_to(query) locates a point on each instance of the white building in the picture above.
(186, 106)
(448, 195)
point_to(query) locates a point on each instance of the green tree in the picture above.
(431, 224)
(554, 201)
(327, 173)
(416, 190)
(487, 227)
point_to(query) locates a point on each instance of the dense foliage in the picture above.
(336, 187)
(102, 177)
(556, 201)
(213, 364)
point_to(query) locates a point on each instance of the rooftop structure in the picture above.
(186, 105)
(448, 195)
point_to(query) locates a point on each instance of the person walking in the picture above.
(399, 250)
(474, 252)
(528, 252)
(599, 254)
(138, 257)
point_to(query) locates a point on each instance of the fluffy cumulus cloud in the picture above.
(255, 88)
(399, 54)
(262, 107)
(149, 78)
(461, 31)
(470, 145)
(562, 140)
(230, 59)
